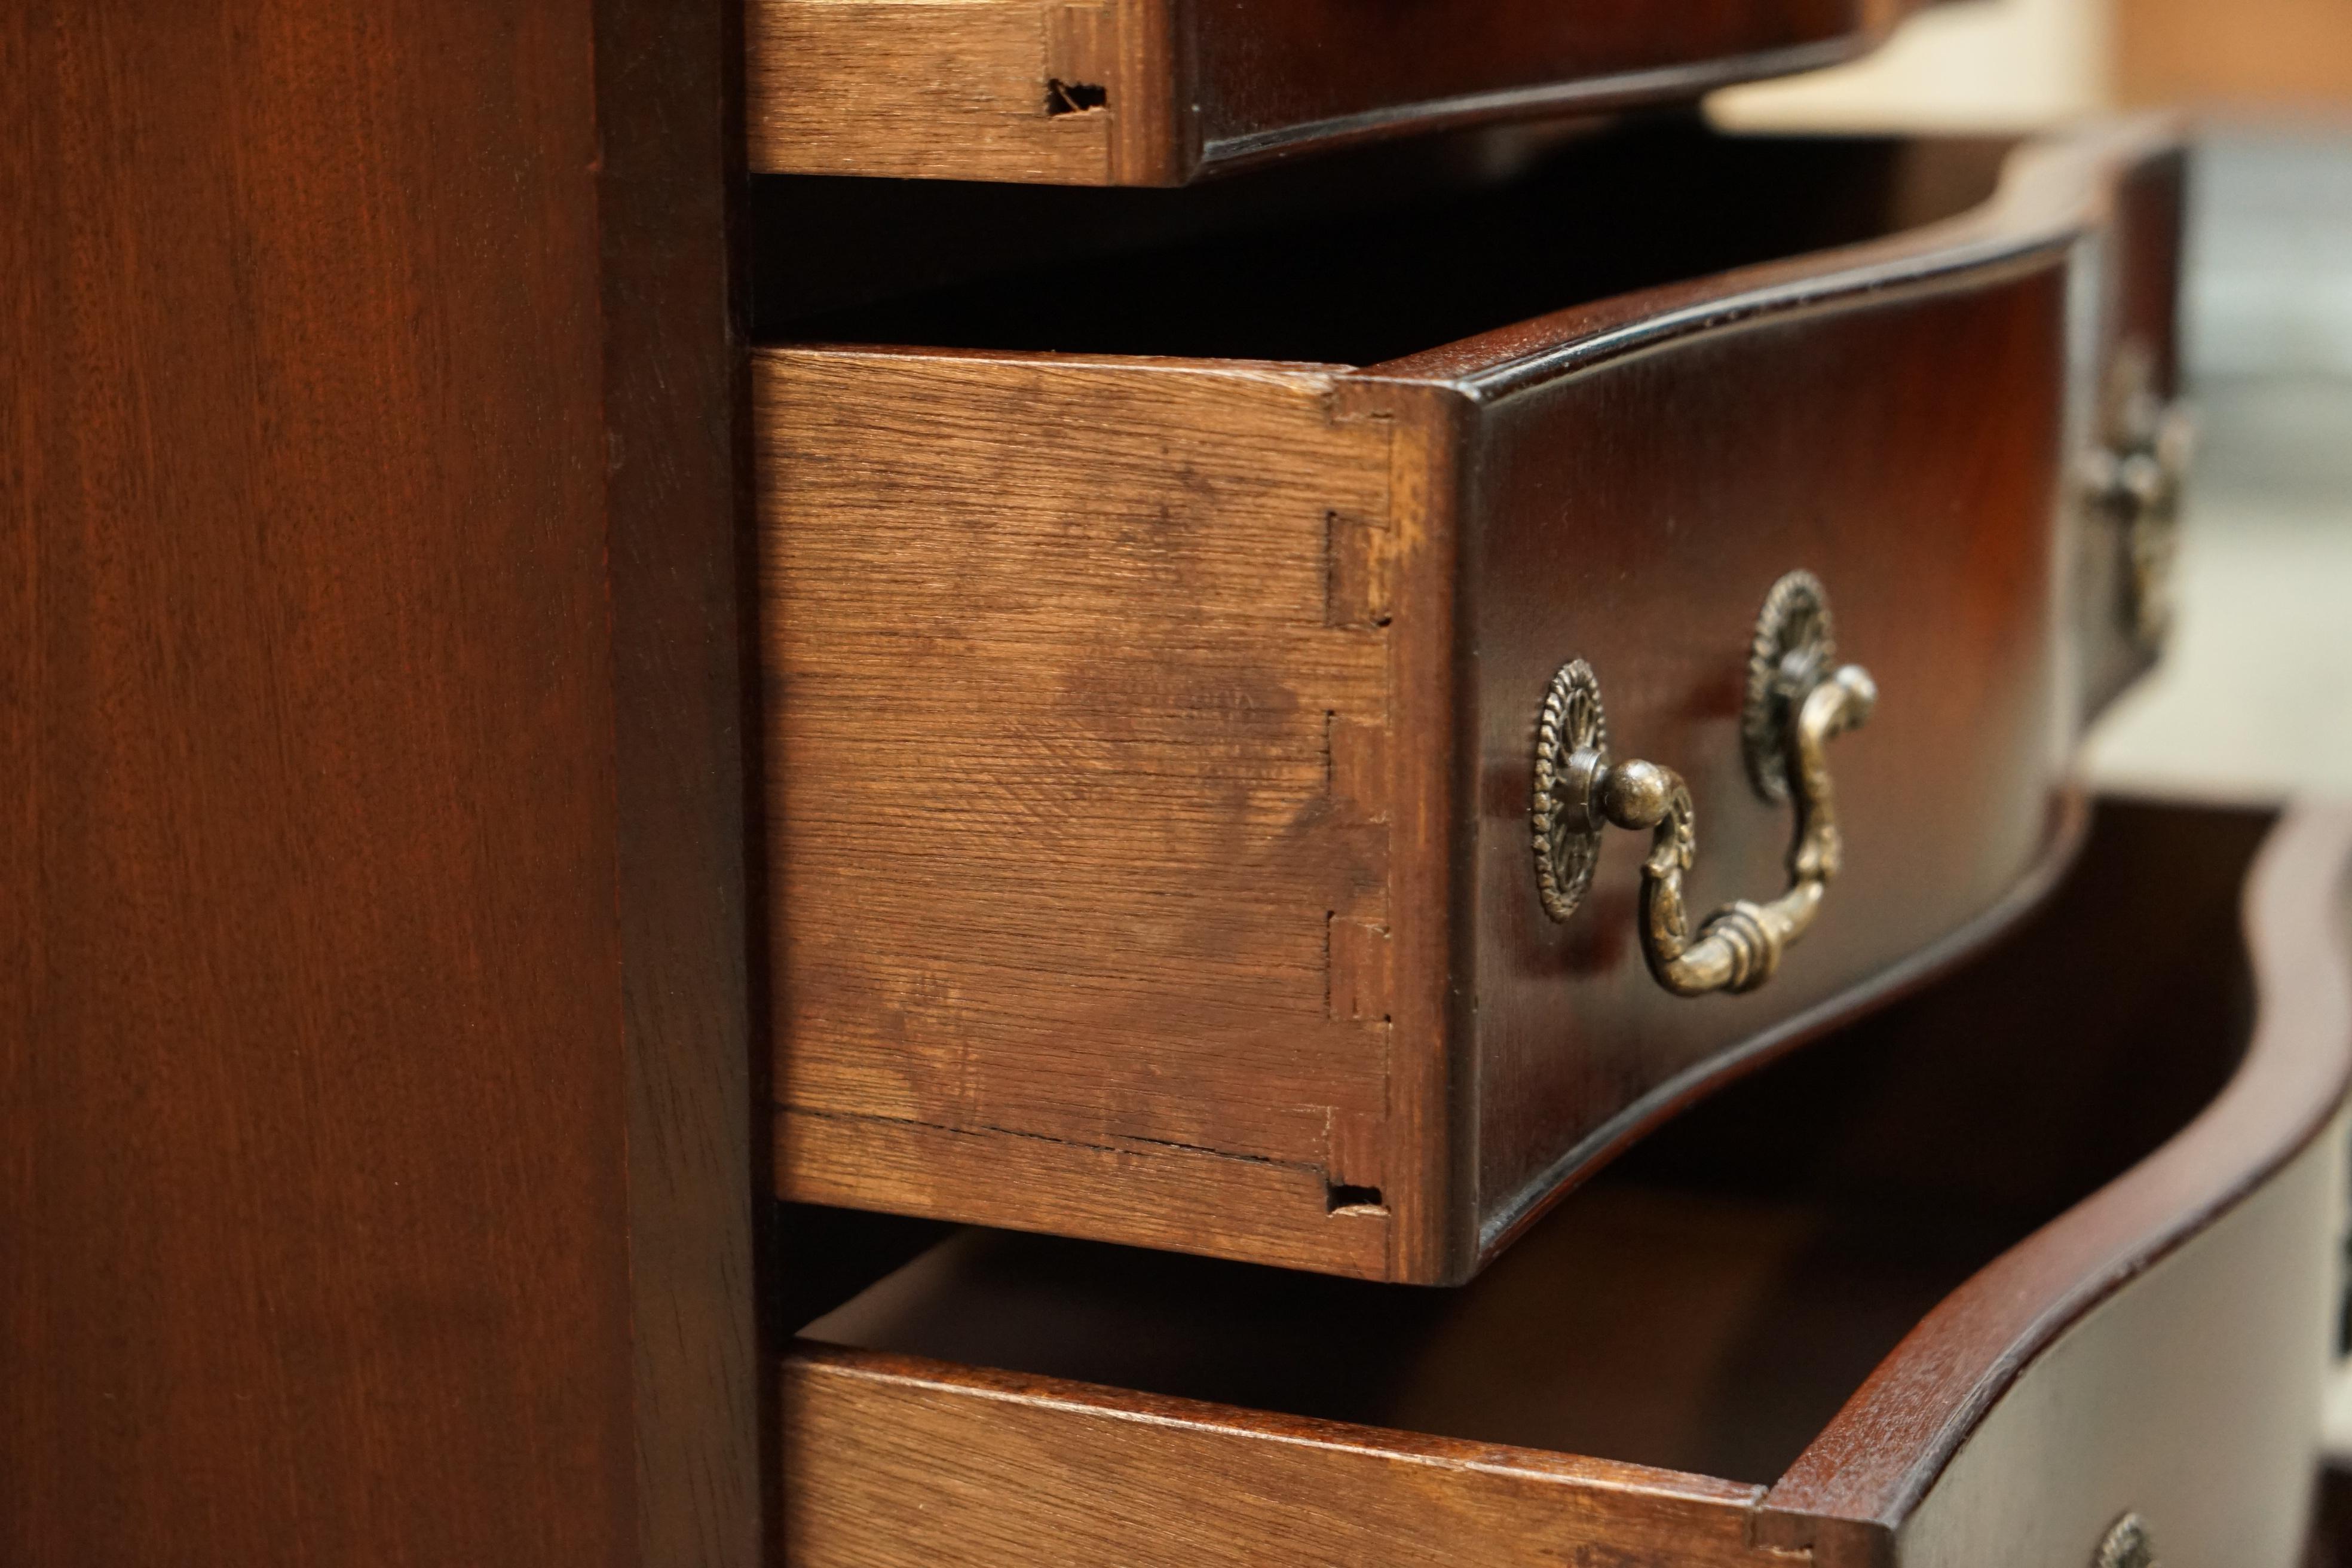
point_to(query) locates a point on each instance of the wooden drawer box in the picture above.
(1154, 92)
(1676, 1366)
(1155, 729)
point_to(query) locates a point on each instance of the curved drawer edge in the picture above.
(2062, 843)
(2053, 191)
(1866, 1476)
(1609, 94)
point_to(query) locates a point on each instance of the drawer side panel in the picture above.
(1078, 692)
(1040, 91)
(1029, 1470)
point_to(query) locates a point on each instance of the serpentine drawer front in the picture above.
(2080, 1227)
(1146, 93)
(1230, 802)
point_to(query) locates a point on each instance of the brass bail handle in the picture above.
(1799, 700)
(2136, 476)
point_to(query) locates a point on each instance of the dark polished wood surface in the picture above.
(1156, 92)
(2064, 1171)
(1847, 421)
(1214, 679)
(667, 84)
(314, 1111)
(1269, 80)
(377, 1182)
(1904, 448)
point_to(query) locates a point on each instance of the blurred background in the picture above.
(2254, 697)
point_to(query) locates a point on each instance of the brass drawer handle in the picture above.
(2126, 1545)
(2136, 476)
(1795, 704)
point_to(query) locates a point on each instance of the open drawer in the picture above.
(2039, 1258)
(1155, 92)
(1193, 760)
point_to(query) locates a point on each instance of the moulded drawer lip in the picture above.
(1866, 1491)
(1434, 409)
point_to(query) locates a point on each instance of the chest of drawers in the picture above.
(616, 611)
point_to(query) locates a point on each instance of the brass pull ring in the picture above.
(2136, 476)
(2126, 1545)
(1797, 704)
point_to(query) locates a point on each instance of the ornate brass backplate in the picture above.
(2136, 477)
(1571, 732)
(1795, 642)
(2126, 1545)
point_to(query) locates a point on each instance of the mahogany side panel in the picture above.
(1008, 1464)
(311, 1108)
(1083, 672)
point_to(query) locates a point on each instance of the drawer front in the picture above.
(1152, 743)
(1154, 92)
(1908, 450)
(1631, 489)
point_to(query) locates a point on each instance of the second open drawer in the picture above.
(1182, 762)
(2035, 1265)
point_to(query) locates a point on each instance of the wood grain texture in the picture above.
(1200, 697)
(970, 89)
(310, 1095)
(898, 1460)
(981, 89)
(2219, 1236)
(673, 390)
(378, 1117)
(982, 680)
